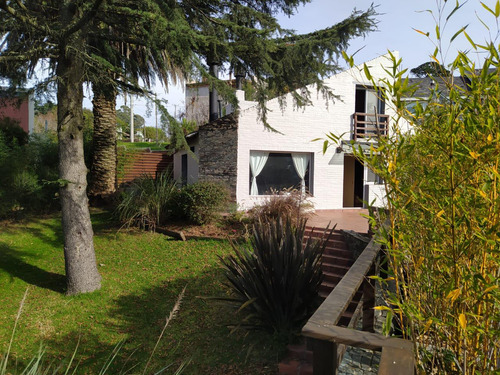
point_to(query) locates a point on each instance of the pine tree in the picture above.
(87, 41)
(59, 34)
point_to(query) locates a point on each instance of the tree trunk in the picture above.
(81, 270)
(103, 172)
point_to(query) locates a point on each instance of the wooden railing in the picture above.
(369, 125)
(328, 340)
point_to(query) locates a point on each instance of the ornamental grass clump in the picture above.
(146, 203)
(275, 279)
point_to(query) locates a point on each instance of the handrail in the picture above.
(370, 125)
(325, 336)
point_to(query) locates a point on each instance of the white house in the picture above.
(254, 161)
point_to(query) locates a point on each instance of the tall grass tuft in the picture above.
(146, 202)
(39, 365)
(288, 203)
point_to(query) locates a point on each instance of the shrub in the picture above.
(25, 175)
(12, 132)
(287, 203)
(200, 202)
(146, 202)
(274, 278)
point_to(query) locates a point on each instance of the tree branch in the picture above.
(23, 18)
(80, 23)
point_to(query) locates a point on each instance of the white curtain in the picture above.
(258, 160)
(301, 161)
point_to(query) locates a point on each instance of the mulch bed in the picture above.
(221, 230)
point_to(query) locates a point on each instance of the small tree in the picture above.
(430, 69)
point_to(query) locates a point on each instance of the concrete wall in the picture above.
(197, 103)
(297, 128)
(375, 195)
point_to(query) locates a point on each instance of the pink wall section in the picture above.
(17, 109)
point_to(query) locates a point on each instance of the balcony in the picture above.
(369, 126)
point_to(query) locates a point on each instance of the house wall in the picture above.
(192, 163)
(375, 195)
(297, 128)
(21, 109)
(197, 103)
(218, 150)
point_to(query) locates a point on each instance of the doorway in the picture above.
(353, 182)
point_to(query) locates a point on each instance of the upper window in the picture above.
(273, 172)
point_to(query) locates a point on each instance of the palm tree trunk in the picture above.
(103, 171)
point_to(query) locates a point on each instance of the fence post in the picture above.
(369, 301)
(324, 357)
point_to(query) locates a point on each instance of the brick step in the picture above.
(294, 367)
(335, 263)
(335, 268)
(299, 352)
(341, 253)
(332, 278)
(335, 244)
(318, 233)
(335, 260)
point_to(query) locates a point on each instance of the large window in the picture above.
(272, 172)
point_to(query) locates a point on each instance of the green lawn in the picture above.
(143, 273)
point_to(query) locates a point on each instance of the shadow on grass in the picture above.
(13, 263)
(199, 333)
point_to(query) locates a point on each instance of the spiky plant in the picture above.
(275, 278)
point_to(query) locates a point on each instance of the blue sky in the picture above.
(397, 22)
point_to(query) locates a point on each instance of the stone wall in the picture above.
(218, 150)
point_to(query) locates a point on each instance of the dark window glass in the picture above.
(184, 169)
(278, 174)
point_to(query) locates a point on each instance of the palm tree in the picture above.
(139, 62)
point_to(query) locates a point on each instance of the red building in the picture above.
(19, 107)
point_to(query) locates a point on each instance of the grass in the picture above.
(143, 274)
(140, 145)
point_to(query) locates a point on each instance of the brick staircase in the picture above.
(337, 259)
(147, 162)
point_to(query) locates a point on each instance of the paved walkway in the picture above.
(348, 219)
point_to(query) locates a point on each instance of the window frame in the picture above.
(309, 174)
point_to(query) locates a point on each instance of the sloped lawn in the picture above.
(143, 274)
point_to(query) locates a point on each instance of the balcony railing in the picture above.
(369, 125)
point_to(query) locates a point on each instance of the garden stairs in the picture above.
(337, 259)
